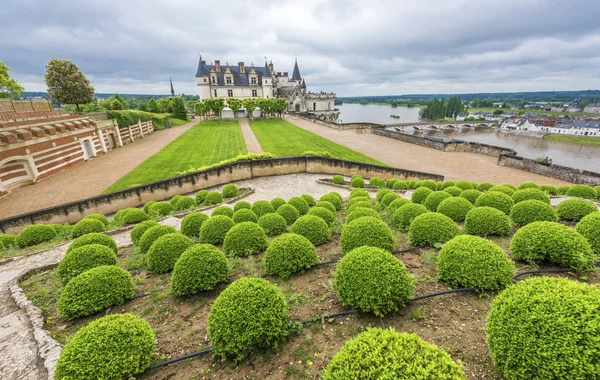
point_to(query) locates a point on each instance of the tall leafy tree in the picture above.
(153, 106)
(67, 84)
(234, 104)
(9, 87)
(143, 107)
(179, 110)
(250, 105)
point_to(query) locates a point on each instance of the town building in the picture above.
(592, 108)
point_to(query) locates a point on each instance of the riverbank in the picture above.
(580, 140)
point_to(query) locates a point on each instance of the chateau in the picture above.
(241, 81)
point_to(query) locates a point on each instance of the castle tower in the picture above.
(202, 79)
(172, 91)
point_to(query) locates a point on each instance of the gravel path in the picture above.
(252, 144)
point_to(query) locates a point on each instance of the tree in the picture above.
(66, 84)
(9, 88)
(279, 106)
(215, 105)
(250, 105)
(165, 105)
(234, 104)
(153, 106)
(179, 110)
(498, 112)
(143, 107)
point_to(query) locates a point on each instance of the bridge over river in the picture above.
(421, 125)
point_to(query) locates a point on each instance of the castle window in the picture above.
(228, 79)
(253, 80)
(230, 93)
(214, 79)
(215, 92)
(254, 93)
(204, 80)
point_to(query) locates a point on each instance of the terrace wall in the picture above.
(551, 170)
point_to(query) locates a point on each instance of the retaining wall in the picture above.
(551, 170)
(237, 171)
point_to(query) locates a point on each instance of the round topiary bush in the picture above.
(277, 202)
(165, 251)
(243, 204)
(173, 201)
(361, 212)
(563, 190)
(362, 200)
(249, 315)
(137, 231)
(94, 238)
(191, 223)
(323, 213)
(420, 194)
(389, 198)
(549, 240)
(405, 214)
(497, 200)
(358, 205)
(133, 216)
(465, 185)
(160, 209)
(396, 203)
(400, 185)
(63, 231)
(199, 268)
(357, 182)
(222, 210)
(471, 195)
(289, 213)
(530, 211)
(503, 189)
(147, 205)
(215, 228)
(474, 262)
(589, 228)
(313, 228)
(549, 189)
(387, 354)
(430, 184)
(185, 203)
(230, 190)
(289, 254)
(328, 205)
(8, 241)
(94, 290)
(309, 199)
(366, 231)
(333, 199)
(382, 193)
(273, 224)
(86, 226)
(35, 234)
(597, 188)
(261, 208)
(359, 193)
(485, 221)
(201, 196)
(390, 182)
(447, 184)
(582, 191)
(510, 186)
(432, 228)
(244, 215)
(574, 209)
(485, 186)
(338, 179)
(245, 239)
(434, 199)
(83, 258)
(530, 193)
(545, 328)
(153, 233)
(116, 346)
(373, 281)
(528, 185)
(374, 181)
(455, 191)
(99, 217)
(213, 198)
(455, 208)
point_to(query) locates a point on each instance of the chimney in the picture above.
(271, 66)
(241, 66)
(204, 62)
(218, 65)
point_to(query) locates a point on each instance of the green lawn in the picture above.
(581, 140)
(204, 144)
(281, 138)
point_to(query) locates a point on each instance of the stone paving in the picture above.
(252, 144)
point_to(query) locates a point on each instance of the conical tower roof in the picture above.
(296, 74)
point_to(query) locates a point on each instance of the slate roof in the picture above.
(239, 79)
(296, 73)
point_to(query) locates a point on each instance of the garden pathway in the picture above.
(89, 178)
(252, 144)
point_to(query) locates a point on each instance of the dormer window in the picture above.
(253, 80)
(228, 80)
(214, 79)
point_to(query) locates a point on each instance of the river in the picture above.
(584, 157)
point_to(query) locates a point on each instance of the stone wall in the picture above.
(551, 170)
(237, 171)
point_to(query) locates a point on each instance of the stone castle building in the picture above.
(241, 81)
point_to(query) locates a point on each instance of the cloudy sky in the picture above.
(350, 47)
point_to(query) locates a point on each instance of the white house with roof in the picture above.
(592, 108)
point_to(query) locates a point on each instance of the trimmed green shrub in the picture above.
(299, 204)
(213, 198)
(323, 213)
(173, 201)
(530, 211)
(277, 202)
(261, 208)
(86, 226)
(289, 213)
(244, 215)
(503, 189)
(249, 315)
(455, 191)
(63, 231)
(137, 231)
(338, 180)
(165, 251)
(245, 239)
(215, 228)
(374, 181)
(549, 189)
(528, 185)
(147, 205)
(597, 188)
(400, 185)
(382, 193)
(116, 346)
(432, 228)
(471, 195)
(358, 205)
(582, 191)
(554, 241)
(497, 200)
(153, 233)
(465, 185)
(434, 199)
(94, 290)
(575, 209)
(530, 193)
(473, 262)
(118, 217)
(338, 195)
(389, 198)
(361, 212)
(447, 184)
(420, 194)
(244, 204)
(387, 354)
(545, 328)
(8, 241)
(373, 281)
(359, 193)
(99, 217)
(201, 196)
(310, 201)
(396, 203)
(185, 203)
(230, 190)
(222, 210)
(356, 200)
(199, 268)
(455, 208)
(412, 184)
(160, 209)
(328, 205)
(404, 215)
(589, 228)
(485, 186)
(313, 228)
(357, 182)
(273, 224)
(390, 182)
(134, 215)
(191, 223)
(563, 190)
(83, 258)
(485, 221)
(429, 184)
(289, 254)
(510, 186)
(366, 231)
(35, 234)
(333, 199)
(93, 238)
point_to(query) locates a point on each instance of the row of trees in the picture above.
(440, 109)
(215, 106)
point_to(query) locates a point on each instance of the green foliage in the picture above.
(355, 193)
(273, 224)
(116, 346)
(338, 180)
(165, 251)
(373, 280)
(447, 184)
(300, 204)
(503, 189)
(455, 191)
(510, 186)
(7, 241)
(9, 87)
(179, 110)
(222, 210)
(360, 212)
(432, 228)
(361, 201)
(125, 118)
(230, 190)
(471, 195)
(396, 203)
(334, 199)
(582, 191)
(160, 209)
(575, 209)
(545, 328)
(400, 185)
(455, 208)
(374, 181)
(310, 200)
(389, 198)
(277, 202)
(63, 231)
(261, 208)
(191, 223)
(538, 241)
(366, 231)
(434, 199)
(83, 258)
(357, 182)
(94, 290)
(137, 231)
(173, 201)
(549, 189)
(429, 184)
(146, 207)
(465, 185)
(201, 196)
(185, 203)
(323, 213)
(530, 211)
(528, 185)
(213, 198)
(390, 182)
(149, 237)
(289, 254)
(382, 193)
(99, 217)
(66, 84)
(313, 228)
(214, 229)
(243, 204)
(563, 190)
(199, 268)
(420, 194)
(404, 215)
(473, 262)
(248, 316)
(530, 193)
(485, 186)
(289, 213)
(93, 238)
(357, 205)
(133, 216)
(497, 200)
(245, 239)
(485, 221)
(35, 234)
(387, 354)
(244, 215)
(589, 228)
(327, 205)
